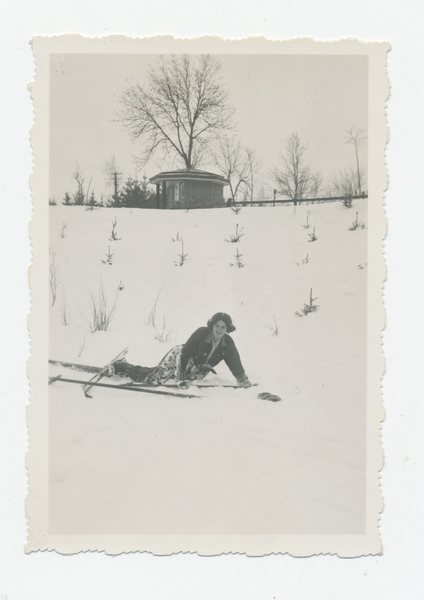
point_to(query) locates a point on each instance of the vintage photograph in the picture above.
(207, 234)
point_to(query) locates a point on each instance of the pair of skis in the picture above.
(101, 372)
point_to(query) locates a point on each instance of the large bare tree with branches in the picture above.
(182, 109)
(295, 176)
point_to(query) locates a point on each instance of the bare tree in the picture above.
(316, 185)
(356, 137)
(78, 175)
(231, 159)
(181, 110)
(295, 175)
(253, 165)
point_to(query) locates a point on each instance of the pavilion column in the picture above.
(163, 195)
(157, 195)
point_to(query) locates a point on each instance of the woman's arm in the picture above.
(233, 362)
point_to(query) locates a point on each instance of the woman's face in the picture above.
(219, 329)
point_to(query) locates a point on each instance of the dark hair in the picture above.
(222, 317)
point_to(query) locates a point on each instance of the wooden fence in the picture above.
(299, 201)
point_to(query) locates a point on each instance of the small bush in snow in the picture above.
(304, 260)
(308, 308)
(52, 202)
(347, 201)
(307, 223)
(177, 238)
(357, 224)
(102, 310)
(120, 286)
(312, 236)
(63, 230)
(108, 260)
(113, 235)
(236, 209)
(238, 262)
(237, 237)
(182, 256)
(274, 327)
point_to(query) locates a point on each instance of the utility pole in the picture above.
(357, 137)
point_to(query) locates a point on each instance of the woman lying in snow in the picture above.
(207, 347)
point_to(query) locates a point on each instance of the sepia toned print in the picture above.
(207, 312)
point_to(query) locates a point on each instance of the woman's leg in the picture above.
(166, 368)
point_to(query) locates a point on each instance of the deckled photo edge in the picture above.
(38, 538)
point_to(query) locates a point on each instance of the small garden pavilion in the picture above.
(189, 188)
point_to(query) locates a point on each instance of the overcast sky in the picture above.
(319, 97)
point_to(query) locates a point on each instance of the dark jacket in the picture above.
(199, 345)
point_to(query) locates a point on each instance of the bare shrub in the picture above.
(304, 260)
(357, 224)
(274, 327)
(237, 237)
(102, 309)
(162, 335)
(53, 275)
(306, 226)
(113, 234)
(347, 201)
(312, 236)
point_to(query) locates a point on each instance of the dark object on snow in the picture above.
(268, 396)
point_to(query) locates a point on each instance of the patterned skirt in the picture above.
(170, 366)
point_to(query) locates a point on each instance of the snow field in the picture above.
(229, 453)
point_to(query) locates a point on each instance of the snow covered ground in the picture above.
(140, 463)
